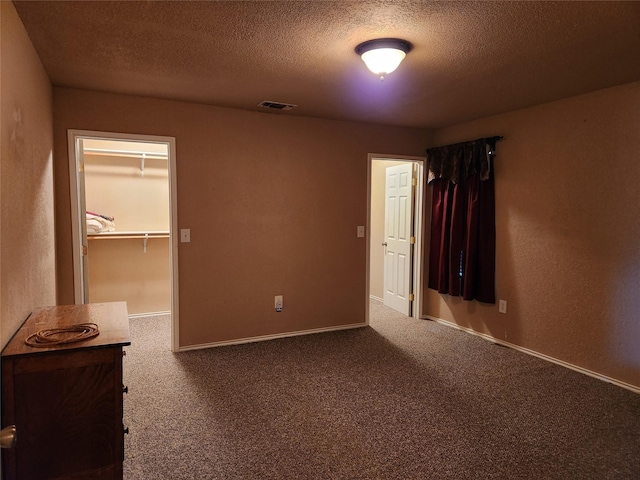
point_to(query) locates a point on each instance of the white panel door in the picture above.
(397, 237)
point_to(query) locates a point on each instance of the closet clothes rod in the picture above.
(145, 236)
(131, 234)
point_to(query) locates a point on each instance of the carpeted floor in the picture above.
(401, 399)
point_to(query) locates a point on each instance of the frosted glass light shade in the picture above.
(383, 60)
(383, 55)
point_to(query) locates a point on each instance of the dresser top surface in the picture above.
(112, 320)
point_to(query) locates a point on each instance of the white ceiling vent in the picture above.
(277, 105)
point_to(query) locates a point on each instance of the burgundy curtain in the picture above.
(463, 232)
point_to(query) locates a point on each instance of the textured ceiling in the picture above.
(470, 59)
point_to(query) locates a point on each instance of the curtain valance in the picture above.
(457, 162)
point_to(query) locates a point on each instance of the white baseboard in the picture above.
(548, 358)
(263, 338)
(373, 297)
(149, 314)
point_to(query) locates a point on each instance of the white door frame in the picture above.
(418, 219)
(77, 216)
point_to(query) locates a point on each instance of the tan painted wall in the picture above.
(27, 262)
(272, 202)
(568, 232)
(120, 270)
(114, 187)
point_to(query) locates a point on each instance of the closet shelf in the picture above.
(145, 236)
(120, 235)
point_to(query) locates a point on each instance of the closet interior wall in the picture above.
(132, 262)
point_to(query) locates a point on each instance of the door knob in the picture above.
(384, 244)
(8, 437)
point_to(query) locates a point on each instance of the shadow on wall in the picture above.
(626, 305)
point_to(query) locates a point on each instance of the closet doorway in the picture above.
(394, 220)
(124, 222)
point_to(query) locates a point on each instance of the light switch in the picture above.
(360, 231)
(185, 235)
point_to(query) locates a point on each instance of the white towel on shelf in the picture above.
(97, 224)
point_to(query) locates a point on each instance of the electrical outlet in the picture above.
(360, 232)
(185, 235)
(502, 306)
(279, 303)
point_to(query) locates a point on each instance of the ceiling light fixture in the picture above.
(383, 55)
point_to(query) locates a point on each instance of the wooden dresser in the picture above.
(66, 401)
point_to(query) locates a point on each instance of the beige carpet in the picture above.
(401, 399)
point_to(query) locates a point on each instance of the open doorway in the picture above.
(123, 195)
(395, 212)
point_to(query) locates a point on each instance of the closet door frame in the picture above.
(76, 179)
